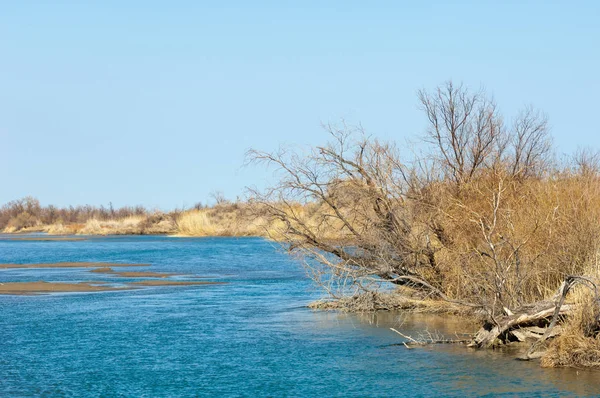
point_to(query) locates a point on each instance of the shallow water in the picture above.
(250, 337)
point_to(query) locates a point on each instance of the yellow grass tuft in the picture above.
(125, 226)
(195, 223)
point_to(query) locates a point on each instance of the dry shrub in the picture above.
(127, 226)
(71, 215)
(59, 229)
(514, 241)
(484, 218)
(158, 223)
(92, 227)
(20, 222)
(20, 213)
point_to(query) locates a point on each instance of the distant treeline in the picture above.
(224, 218)
(28, 212)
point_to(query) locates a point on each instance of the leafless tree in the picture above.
(468, 134)
(360, 189)
(531, 143)
(586, 161)
(464, 127)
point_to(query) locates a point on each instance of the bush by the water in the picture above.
(485, 217)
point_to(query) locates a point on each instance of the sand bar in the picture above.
(42, 287)
(135, 274)
(47, 239)
(71, 265)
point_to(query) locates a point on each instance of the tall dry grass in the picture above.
(231, 219)
(195, 223)
(125, 226)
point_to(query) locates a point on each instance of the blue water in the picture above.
(252, 336)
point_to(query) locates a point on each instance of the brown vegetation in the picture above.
(223, 219)
(578, 343)
(27, 215)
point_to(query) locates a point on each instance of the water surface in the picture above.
(252, 336)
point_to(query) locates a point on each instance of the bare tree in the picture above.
(219, 197)
(531, 143)
(586, 161)
(359, 188)
(464, 128)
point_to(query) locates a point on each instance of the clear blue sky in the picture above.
(155, 103)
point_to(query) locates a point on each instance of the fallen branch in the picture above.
(525, 324)
(414, 342)
(568, 284)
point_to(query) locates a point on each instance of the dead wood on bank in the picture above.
(429, 339)
(534, 324)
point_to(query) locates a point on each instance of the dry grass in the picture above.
(153, 224)
(195, 223)
(226, 220)
(542, 230)
(127, 226)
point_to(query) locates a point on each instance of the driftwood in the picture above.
(517, 327)
(429, 340)
(535, 323)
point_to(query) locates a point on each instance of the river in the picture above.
(251, 336)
